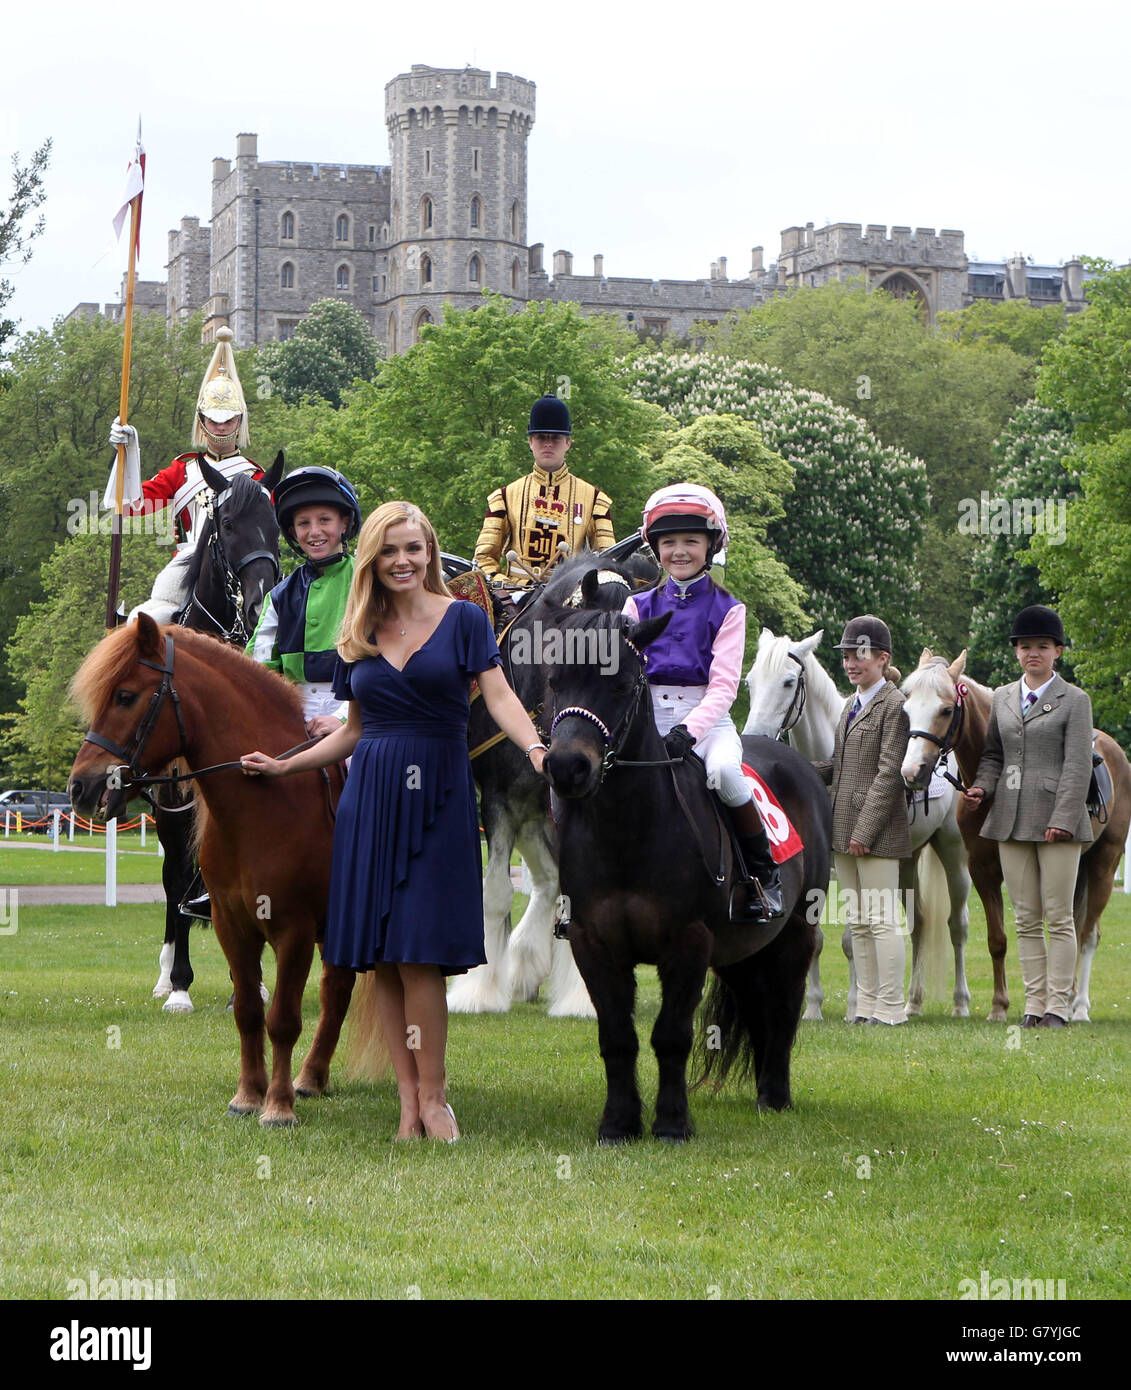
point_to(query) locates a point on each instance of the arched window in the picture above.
(426, 214)
(425, 270)
(342, 278)
(515, 274)
(474, 271)
(342, 227)
(514, 220)
(287, 227)
(422, 319)
(476, 212)
(287, 276)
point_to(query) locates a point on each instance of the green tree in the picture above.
(28, 193)
(1031, 488)
(1087, 371)
(444, 423)
(332, 347)
(942, 397)
(1015, 324)
(41, 736)
(853, 522)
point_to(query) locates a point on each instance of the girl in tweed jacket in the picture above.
(870, 834)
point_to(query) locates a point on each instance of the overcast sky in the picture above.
(665, 135)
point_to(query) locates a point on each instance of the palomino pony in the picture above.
(158, 695)
(950, 713)
(235, 563)
(515, 808)
(791, 693)
(645, 869)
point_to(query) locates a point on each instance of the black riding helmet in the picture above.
(309, 487)
(1038, 621)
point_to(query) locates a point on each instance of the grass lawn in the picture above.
(916, 1157)
(22, 866)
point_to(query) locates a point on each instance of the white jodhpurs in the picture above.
(720, 747)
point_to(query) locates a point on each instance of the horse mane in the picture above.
(569, 573)
(111, 661)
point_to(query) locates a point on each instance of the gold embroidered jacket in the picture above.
(532, 514)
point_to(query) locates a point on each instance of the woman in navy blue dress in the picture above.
(405, 891)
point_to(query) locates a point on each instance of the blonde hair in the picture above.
(368, 603)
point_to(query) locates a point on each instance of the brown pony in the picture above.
(154, 694)
(943, 719)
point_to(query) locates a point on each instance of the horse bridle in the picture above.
(131, 754)
(796, 707)
(615, 739)
(238, 632)
(949, 740)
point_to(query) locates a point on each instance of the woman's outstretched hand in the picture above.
(256, 764)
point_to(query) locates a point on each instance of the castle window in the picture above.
(426, 214)
(287, 276)
(372, 233)
(475, 161)
(287, 227)
(342, 278)
(376, 284)
(426, 117)
(479, 115)
(342, 227)
(473, 270)
(425, 270)
(476, 212)
(515, 273)
(285, 328)
(422, 320)
(392, 335)
(515, 219)
(427, 161)
(383, 283)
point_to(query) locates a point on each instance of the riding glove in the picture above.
(678, 741)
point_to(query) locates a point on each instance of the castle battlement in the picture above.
(426, 87)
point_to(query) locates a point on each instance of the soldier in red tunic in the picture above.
(219, 435)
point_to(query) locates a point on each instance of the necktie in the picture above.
(1030, 700)
(853, 712)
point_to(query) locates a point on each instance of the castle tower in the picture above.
(457, 147)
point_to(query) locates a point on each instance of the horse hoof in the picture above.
(813, 1015)
(996, 1016)
(774, 1103)
(162, 989)
(178, 1003)
(240, 1112)
(283, 1121)
(310, 1090)
(673, 1134)
(572, 1008)
(960, 1011)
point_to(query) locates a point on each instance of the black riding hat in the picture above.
(1038, 621)
(309, 487)
(864, 634)
(549, 415)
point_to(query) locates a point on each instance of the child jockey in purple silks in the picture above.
(694, 667)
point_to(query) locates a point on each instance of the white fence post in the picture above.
(71, 826)
(143, 820)
(56, 818)
(112, 862)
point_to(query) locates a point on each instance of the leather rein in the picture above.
(237, 633)
(947, 744)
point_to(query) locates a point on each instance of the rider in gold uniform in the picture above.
(532, 515)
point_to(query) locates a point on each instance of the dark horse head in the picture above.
(236, 559)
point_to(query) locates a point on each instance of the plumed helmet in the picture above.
(549, 415)
(221, 395)
(309, 487)
(685, 507)
(865, 635)
(1038, 621)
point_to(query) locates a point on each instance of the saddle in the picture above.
(501, 604)
(1099, 787)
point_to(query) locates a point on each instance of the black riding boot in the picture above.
(759, 897)
(196, 902)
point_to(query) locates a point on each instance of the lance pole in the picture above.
(123, 409)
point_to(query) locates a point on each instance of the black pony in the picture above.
(515, 805)
(235, 564)
(645, 868)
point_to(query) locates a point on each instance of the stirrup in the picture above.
(200, 908)
(763, 901)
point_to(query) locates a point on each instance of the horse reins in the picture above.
(238, 632)
(946, 745)
(615, 740)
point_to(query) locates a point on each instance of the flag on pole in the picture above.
(135, 185)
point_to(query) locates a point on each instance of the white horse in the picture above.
(792, 694)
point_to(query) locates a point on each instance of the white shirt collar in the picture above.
(864, 696)
(1040, 690)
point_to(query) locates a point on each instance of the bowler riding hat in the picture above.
(864, 634)
(549, 415)
(1038, 621)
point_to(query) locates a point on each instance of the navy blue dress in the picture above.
(406, 882)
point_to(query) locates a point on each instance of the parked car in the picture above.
(32, 806)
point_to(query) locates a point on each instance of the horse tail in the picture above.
(724, 1042)
(366, 1055)
(934, 899)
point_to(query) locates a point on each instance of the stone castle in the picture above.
(447, 219)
